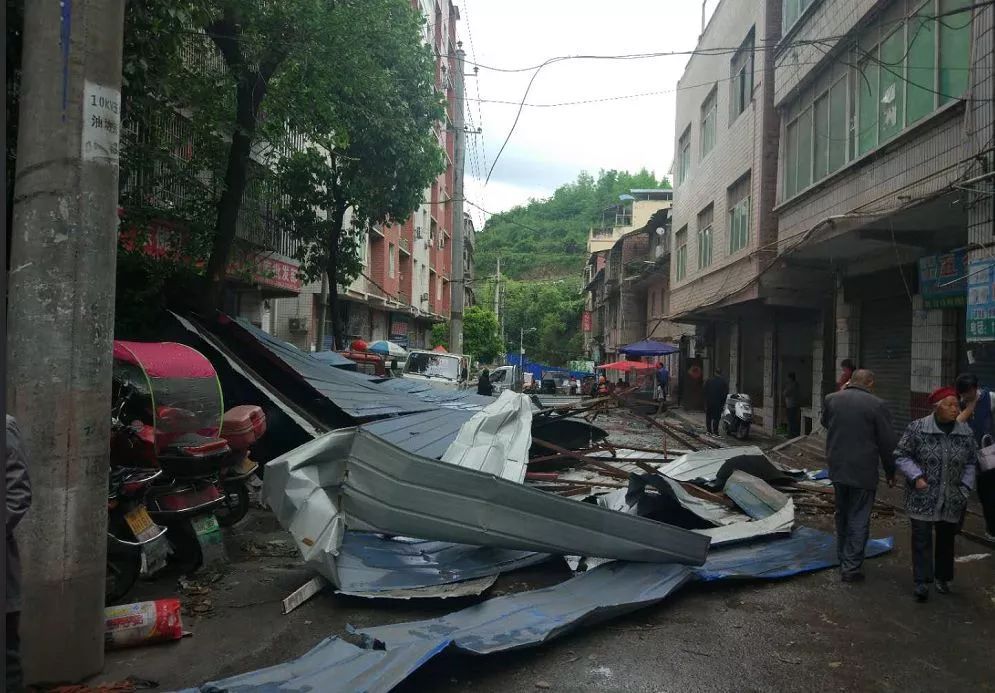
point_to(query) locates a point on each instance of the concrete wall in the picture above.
(739, 150)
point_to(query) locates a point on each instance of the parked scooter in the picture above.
(241, 427)
(135, 543)
(737, 416)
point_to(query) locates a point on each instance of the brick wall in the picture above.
(744, 143)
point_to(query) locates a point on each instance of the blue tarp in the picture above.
(537, 369)
(531, 618)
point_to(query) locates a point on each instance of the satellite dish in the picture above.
(660, 231)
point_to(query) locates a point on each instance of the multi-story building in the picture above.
(723, 230)
(885, 188)
(833, 178)
(621, 250)
(404, 287)
(469, 269)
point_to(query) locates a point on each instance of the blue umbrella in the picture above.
(648, 347)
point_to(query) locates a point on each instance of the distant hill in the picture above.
(547, 238)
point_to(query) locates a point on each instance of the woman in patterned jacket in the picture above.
(938, 457)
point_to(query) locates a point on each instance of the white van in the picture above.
(440, 368)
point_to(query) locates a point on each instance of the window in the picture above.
(901, 70)
(652, 303)
(684, 156)
(741, 84)
(681, 257)
(708, 124)
(792, 10)
(390, 260)
(438, 286)
(955, 49)
(740, 217)
(705, 237)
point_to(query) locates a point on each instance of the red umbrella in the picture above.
(627, 366)
(441, 349)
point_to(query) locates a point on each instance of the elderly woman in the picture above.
(938, 457)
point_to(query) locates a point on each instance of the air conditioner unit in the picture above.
(424, 297)
(297, 324)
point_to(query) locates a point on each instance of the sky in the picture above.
(550, 146)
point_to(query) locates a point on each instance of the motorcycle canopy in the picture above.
(170, 386)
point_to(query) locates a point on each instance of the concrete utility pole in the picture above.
(457, 285)
(61, 318)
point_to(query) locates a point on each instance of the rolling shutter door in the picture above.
(886, 349)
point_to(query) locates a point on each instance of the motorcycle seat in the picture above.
(194, 445)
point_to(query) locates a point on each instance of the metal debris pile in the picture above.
(439, 493)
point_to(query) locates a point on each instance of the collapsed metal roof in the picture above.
(352, 477)
(356, 394)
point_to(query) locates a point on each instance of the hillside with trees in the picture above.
(547, 238)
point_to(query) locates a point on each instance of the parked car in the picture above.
(441, 368)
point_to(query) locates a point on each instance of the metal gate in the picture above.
(886, 349)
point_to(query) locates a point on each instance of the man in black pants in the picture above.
(716, 391)
(858, 437)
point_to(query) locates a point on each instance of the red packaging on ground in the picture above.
(142, 623)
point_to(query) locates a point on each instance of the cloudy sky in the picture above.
(550, 146)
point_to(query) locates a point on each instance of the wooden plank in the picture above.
(604, 466)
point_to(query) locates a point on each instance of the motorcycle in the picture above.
(737, 416)
(167, 416)
(135, 543)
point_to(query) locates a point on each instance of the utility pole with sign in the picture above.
(61, 323)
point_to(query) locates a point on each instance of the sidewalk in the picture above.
(696, 420)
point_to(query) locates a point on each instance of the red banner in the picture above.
(586, 321)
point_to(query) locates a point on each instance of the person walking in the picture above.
(18, 502)
(792, 405)
(484, 385)
(938, 457)
(662, 382)
(859, 435)
(716, 391)
(978, 412)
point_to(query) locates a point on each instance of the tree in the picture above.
(378, 152)
(480, 334)
(256, 40)
(440, 334)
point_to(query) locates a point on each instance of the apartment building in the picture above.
(623, 249)
(884, 193)
(404, 287)
(724, 232)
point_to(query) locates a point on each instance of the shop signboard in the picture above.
(981, 301)
(940, 280)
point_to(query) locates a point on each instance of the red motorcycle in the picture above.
(135, 543)
(168, 415)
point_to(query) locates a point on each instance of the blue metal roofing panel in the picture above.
(333, 665)
(370, 563)
(354, 393)
(428, 434)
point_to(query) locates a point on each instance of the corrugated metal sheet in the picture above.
(497, 439)
(356, 394)
(352, 477)
(532, 618)
(373, 565)
(756, 497)
(426, 393)
(428, 434)
(334, 665)
(805, 551)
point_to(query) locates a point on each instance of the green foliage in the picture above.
(550, 314)
(480, 334)
(378, 152)
(440, 334)
(547, 238)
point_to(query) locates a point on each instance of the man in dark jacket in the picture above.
(716, 391)
(859, 435)
(18, 502)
